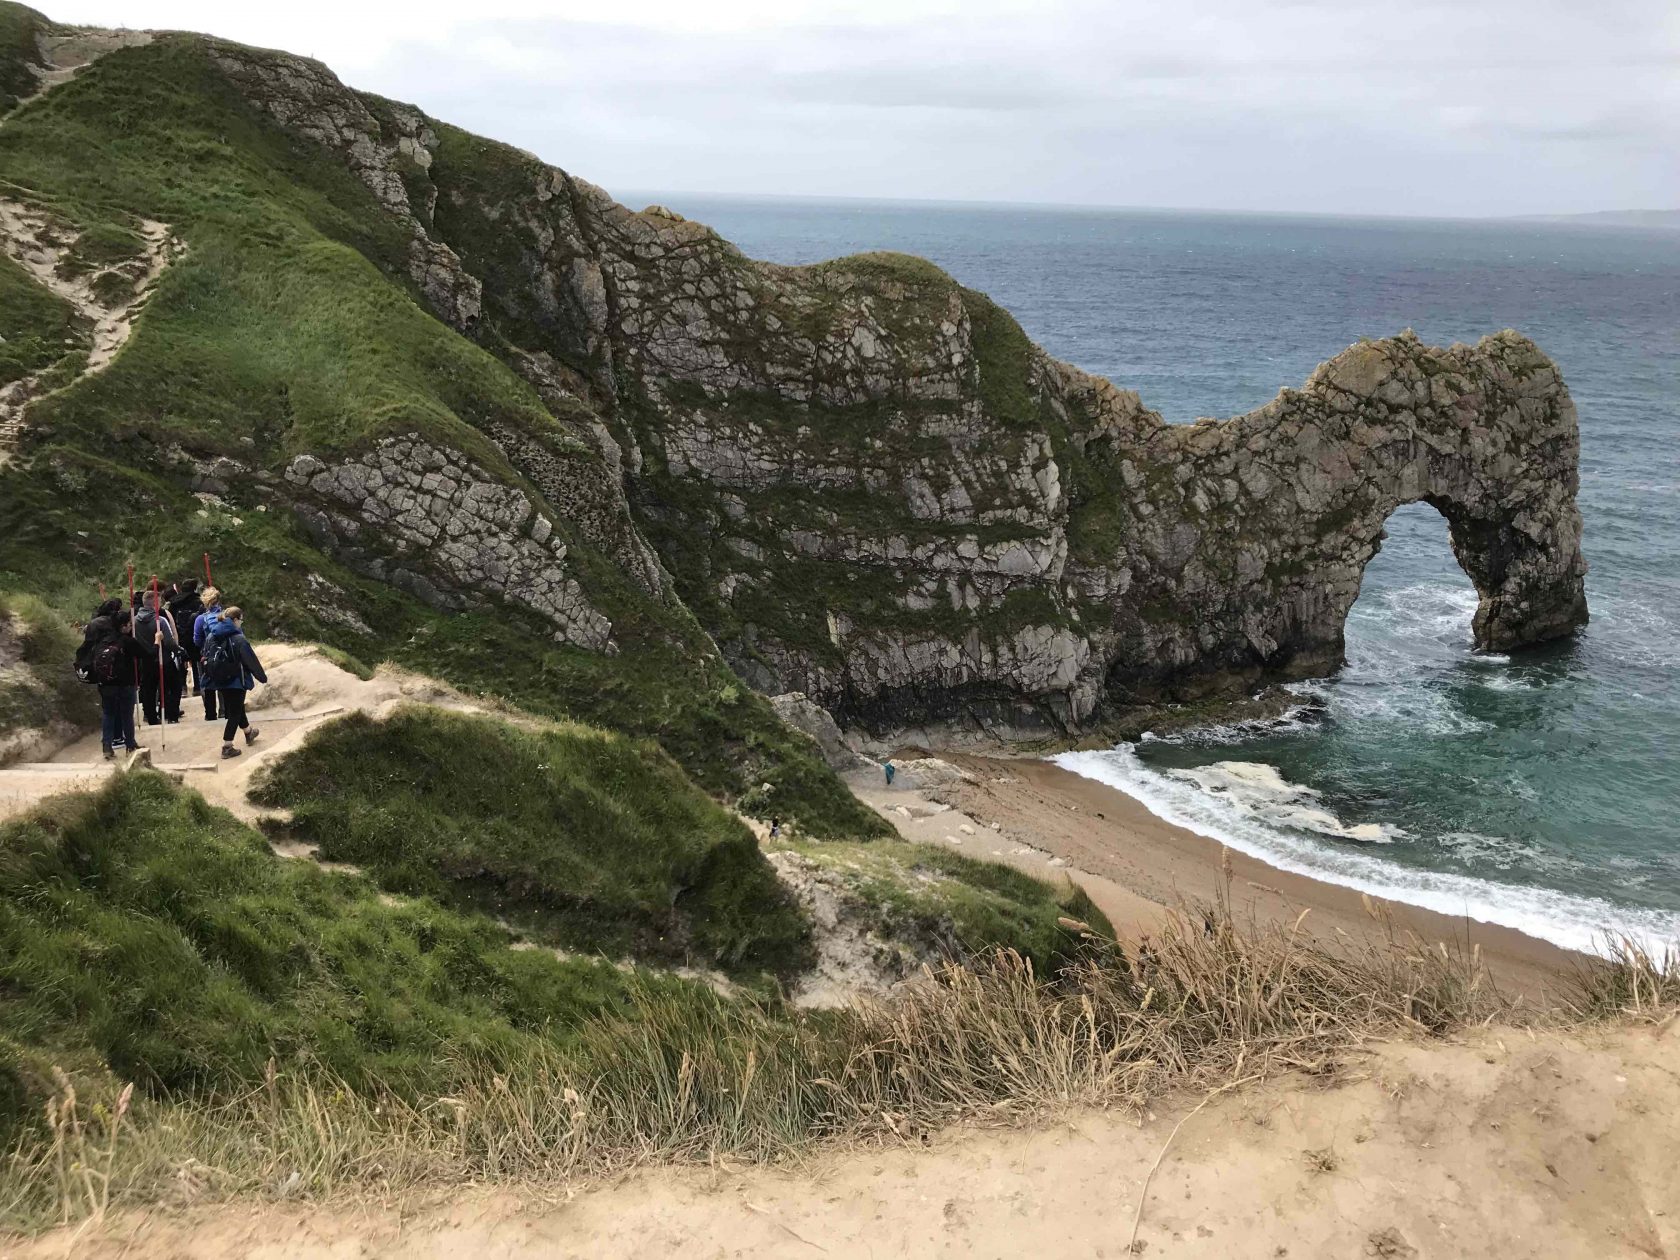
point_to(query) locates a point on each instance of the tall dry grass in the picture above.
(1206, 1003)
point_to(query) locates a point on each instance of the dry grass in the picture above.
(1206, 1004)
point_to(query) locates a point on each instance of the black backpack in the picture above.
(107, 663)
(94, 637)
(219, 660)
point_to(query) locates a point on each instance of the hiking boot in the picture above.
(251, 734)
(110, 755)
(228, 750)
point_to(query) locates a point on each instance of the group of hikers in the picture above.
(143, 655)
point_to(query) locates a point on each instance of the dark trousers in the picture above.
(210, 714)
(233, 708)
(116, 706)
(160, 690)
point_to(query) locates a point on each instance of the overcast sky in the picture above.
(1451, 107)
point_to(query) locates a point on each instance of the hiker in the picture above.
(211, 601)
(115, 657)
(775, 828)
(160, 672)
(185, 608)
(890, 770)
(231, 669)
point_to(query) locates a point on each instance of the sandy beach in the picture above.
(1135, 865)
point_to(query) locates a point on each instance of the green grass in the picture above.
(18, 28)
(37, 681)
(289, 324)
(595, 841)
(143, 931)
(39, 327)
(941, 899)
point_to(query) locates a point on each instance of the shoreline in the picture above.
(1136, 866)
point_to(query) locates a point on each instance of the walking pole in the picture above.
(163, 684)
(137, 656)
(207, 580)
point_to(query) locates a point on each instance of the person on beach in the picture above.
(231, 669)
(889, 769)
(210, 600)
(116, 658)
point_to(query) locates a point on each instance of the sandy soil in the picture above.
(305, 690)
(1052, 821)
(1499, 1145)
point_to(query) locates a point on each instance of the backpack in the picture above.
(107, 663)
(84, 661)
(93, 637)
(219, 661)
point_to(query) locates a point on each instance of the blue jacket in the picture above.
(250, 666)
(201, 623)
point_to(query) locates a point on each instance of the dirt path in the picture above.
(305, 689)
(1558, 1147)
(40, 244)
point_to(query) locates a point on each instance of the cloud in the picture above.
(1460, 107)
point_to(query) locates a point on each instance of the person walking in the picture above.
(116, 656)
(211, 601)
(231, 669)
(185, 608)
(160, 670)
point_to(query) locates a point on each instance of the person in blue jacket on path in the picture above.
(231, 669)
(212, 600)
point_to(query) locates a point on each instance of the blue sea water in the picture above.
(1540, 791)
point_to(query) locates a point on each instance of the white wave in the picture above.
(1259, 790)
(1573, 922)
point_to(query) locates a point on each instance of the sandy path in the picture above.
(37, 244)
(1500, 1145)
(305, 689)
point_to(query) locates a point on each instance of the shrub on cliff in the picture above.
(595, 841)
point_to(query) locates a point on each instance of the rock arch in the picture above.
(1287, 504)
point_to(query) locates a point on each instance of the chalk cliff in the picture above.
(862, 478)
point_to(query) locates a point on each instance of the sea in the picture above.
(1540, 790)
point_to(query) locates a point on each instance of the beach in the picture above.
(1136, 866)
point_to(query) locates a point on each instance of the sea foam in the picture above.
(1253, 809)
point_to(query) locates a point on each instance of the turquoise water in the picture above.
(1541, 791)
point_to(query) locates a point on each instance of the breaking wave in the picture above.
(1252, 808)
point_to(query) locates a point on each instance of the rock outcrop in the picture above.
(873, 489)
(865, 481)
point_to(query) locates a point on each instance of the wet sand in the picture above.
(1099, 830)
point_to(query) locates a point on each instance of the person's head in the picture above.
(125, 619)
(110, 608)
(211, 596)
(235, 614)
(151, 599)
(188, 586)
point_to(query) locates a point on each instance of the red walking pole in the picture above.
(136, 705)
(207, 580)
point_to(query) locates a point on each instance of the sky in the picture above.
(1411, 107)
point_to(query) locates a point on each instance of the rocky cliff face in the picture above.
(872, 488)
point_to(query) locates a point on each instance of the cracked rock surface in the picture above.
(872, 489)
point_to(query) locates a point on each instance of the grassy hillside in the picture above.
(595, 842)
(290, 322)
(960, 906)
(145, 932)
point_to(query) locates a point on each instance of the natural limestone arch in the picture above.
(1284, 507)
